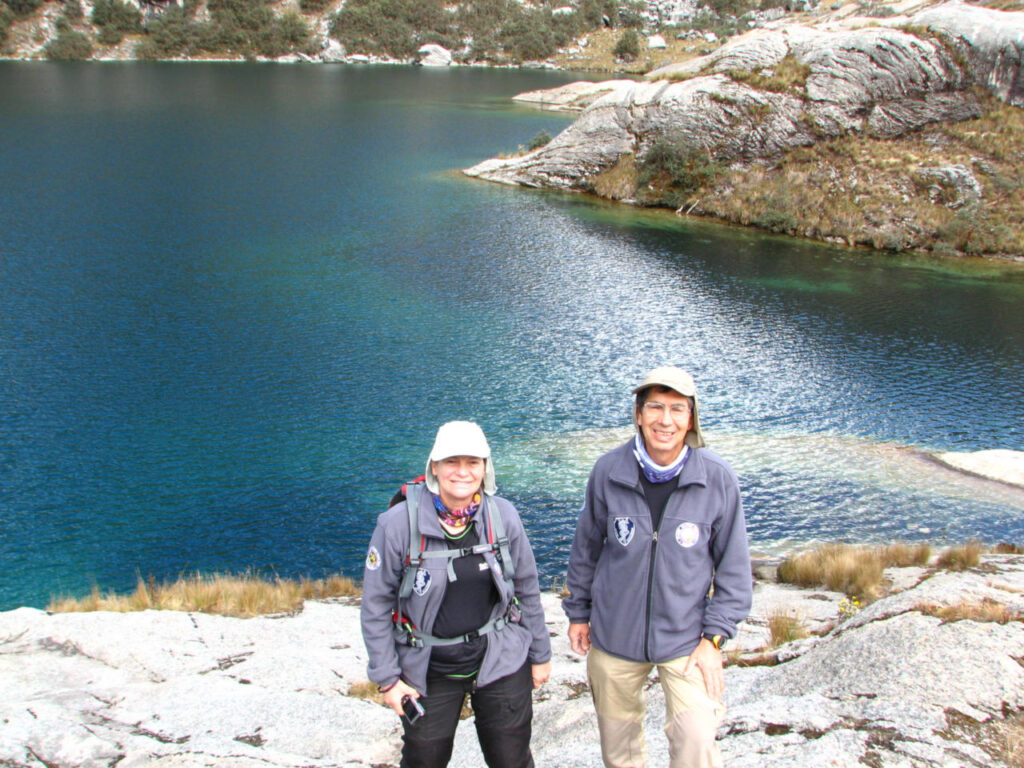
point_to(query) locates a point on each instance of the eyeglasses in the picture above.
(679, 411)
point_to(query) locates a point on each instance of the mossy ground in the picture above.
(860, 190)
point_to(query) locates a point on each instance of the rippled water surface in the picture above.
(239, 299)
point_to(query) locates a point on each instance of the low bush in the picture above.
(109, 36)
(116, 15)
(627, 47)
(394, 27)
(6, 20)
(23, 7)
(73, 11)
(314, 6)
(673, 168)
(174, 34)
(69, 45)
(542, 139)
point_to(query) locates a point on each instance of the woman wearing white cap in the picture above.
(451, 606)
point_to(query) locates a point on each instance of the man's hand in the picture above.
(708, 660)
(393, 696)
(579, 638)
(541, 673)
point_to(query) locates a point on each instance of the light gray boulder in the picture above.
(432, 55)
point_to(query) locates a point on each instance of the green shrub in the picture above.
(394, 27)
(631, 14)
(23, 7)
(530, 36)
(174, 34)
(117, 15)
(683, 166)
(73, 10)
(734, 8)
(314, 6)
(627, 47)
(594, 12)
(542, 139)
(289, 34)
(109, 36)
(69, 45)
(6, 19)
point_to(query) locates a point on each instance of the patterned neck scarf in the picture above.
(456, 519)
(655, 472)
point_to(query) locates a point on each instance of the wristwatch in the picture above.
(716, 640)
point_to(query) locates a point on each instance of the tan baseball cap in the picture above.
(679, 380)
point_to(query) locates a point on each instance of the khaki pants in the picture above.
(692, 717)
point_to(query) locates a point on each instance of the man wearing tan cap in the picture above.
(659, 575)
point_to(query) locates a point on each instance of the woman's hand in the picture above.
(541, 673)
(394, 695)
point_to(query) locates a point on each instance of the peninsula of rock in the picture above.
(790, 86)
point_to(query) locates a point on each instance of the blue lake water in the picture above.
(237, 301)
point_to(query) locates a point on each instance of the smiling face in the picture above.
(664, 418)
(458, 479)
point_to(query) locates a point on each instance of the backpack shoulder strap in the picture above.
(412, 562)
(497, 535)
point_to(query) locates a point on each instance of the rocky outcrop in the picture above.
(772, 90)
(897, 684)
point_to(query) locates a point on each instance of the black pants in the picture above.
(503, 712)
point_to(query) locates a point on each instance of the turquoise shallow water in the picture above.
(239, 299)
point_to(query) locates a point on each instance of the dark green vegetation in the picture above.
(115, 19)
(673, 169)
(246, 28)
(628, 45)
(69, 45)
(497, 31)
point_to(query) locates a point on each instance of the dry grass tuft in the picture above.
(961, 557)
(784, 628)
(902, 555)
(839, 567)
(987, 611)
(242, 595)
(618, 182)
(1005, 548)
(788, 76)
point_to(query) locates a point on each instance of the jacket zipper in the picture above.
(650, 596)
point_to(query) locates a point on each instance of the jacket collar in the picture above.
(626, 471)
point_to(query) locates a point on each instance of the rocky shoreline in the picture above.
(894, 684)
(796, 128)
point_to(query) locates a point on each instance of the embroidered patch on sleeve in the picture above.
(372, 559)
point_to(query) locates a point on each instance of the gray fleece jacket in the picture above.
(390, 657)
(648, 594)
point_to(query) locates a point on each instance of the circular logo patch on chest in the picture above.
(687, 534)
